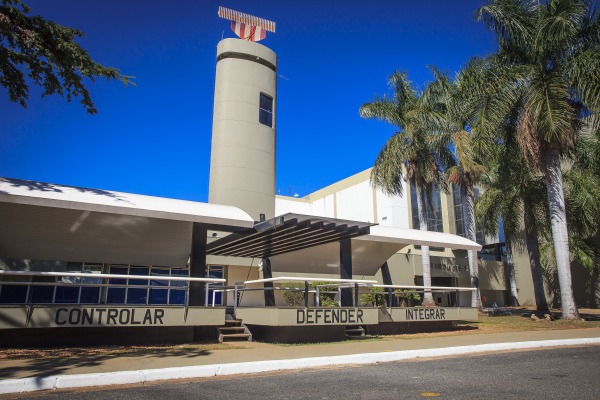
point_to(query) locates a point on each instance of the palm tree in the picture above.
(416, 151)
(513, 195)
(459, 114)
(549, 58)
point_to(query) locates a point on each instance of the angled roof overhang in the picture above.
(45, 221)
(369, 251)
(286, 233)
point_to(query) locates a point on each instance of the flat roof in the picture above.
(19, 191)
(369, 251)
(45, 221)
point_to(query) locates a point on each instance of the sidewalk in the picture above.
(38, 374)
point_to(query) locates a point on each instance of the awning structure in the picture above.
(369, 251)
(18, 191)
(287, 233)
(45, 221)
(388, 234)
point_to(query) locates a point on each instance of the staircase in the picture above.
(233, 329)
(355, 332)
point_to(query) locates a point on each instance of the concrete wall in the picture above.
(241, 274)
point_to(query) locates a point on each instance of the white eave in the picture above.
(44, 221)
(389, 234)
(42, 194)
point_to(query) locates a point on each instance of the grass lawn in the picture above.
(519, 321)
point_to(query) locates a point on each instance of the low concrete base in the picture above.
(56, 337)
(394, 328)
(297, 334)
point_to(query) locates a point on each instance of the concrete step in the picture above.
(235, 336)
(355, 331)
(232, 328)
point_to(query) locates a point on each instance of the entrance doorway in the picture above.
(445, 299)
(215, 272)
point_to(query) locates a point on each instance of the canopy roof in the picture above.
(44, 221)
(286, 233)
(18, 191)
(369, 251)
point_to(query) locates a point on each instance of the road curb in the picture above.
(205, 371)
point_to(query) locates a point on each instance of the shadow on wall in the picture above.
(49, 187)
(586, 286)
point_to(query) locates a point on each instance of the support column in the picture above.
(198, 265)
(392, 301)
(268, 274)
(346, 270)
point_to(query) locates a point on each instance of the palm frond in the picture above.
(509, 19)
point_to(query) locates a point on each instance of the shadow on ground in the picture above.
(49, 366)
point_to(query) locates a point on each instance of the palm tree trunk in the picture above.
(533, 249)
(468, 205)
(512, 279)
(427, 296)
(560, 238)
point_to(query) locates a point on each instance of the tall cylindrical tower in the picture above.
(242, 161)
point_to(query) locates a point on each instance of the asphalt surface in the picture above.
(562, 373)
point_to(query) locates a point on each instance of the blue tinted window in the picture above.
(42, 294)
(265, 113)
(116, 295)
(13, 294)
(67, 294)
(90, 295)
(158, 296)
(177, 296)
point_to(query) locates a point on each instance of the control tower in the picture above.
(242, 162)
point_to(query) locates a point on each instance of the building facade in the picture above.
(355, 198)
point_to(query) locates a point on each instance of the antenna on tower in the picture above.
(246, 26)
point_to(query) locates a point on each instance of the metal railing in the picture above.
(87, 275)
(354, 284)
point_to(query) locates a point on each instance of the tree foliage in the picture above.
(545, 71)
(33, 49)
(418, 152)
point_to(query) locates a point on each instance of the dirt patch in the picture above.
(28, 354)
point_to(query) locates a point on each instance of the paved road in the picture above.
(567, 373)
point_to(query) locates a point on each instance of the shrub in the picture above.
(372, 298)
(326, 299)
(293, 298)
(407, 297)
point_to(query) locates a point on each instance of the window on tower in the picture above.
(265, 114)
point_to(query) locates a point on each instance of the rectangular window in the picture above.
(177, 296)
(158, 295)
(13, 294)
(42, 294)
(460, 216)
(138, 295)
(57, 290)
(215, 272)
(91, 294)
(265, 114)
(116, 295)
(435, 222)
(458, 211)
(68, 292)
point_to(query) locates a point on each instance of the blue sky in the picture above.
(154, 138)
